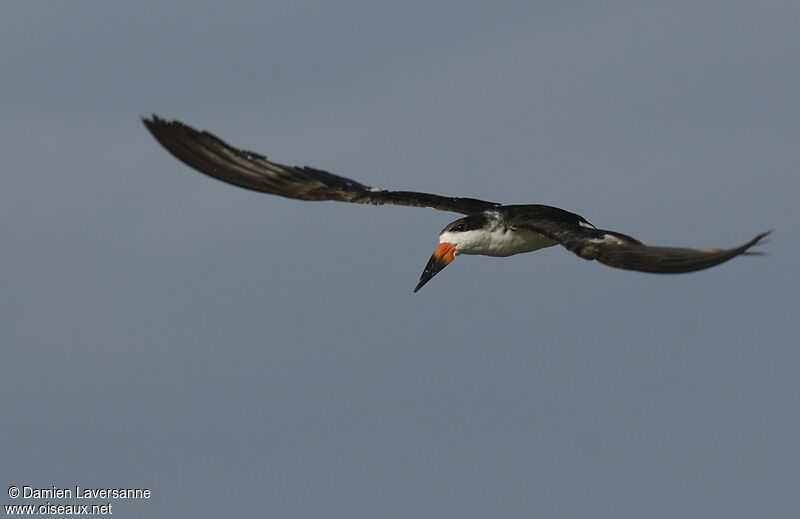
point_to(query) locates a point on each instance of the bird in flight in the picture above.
(489, 228)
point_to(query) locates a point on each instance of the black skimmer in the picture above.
(490, 229)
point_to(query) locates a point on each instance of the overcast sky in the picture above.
(245, 355)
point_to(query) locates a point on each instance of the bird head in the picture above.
(454, 239)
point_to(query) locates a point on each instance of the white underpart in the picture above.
(499, 241)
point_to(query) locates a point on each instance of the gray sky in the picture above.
(241, 354)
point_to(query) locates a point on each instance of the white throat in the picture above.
(495, 241)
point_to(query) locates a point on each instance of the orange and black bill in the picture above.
(442, 256)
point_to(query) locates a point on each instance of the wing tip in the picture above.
(153, 119)
(156, 124)
(760, 239)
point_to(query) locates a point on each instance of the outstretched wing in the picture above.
(210, 155)
(623, 252)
